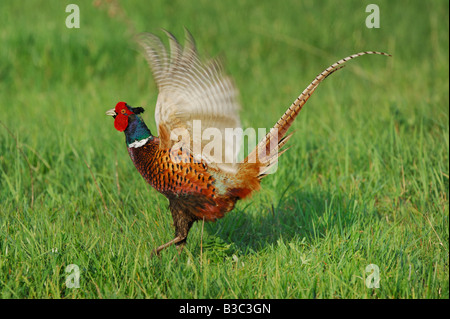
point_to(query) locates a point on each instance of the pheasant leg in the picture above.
(170, 243)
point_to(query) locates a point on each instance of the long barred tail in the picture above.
(268, 150)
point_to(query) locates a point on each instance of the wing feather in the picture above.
(191, 90)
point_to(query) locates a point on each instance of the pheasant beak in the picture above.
(111, 112)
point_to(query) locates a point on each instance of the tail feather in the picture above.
(271, 159)
(268, 150)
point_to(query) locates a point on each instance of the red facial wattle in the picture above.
(121, 120)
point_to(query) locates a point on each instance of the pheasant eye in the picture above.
(123, 111)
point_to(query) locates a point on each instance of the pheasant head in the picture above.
(128, 120)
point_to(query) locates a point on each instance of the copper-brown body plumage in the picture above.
(189, 183)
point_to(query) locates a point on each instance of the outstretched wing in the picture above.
(195, 98)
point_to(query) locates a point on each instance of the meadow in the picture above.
(365, 182)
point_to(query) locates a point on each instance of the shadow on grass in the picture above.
(300, 215)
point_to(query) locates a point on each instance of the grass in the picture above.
(366, 180)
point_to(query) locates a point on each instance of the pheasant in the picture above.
(200, 186)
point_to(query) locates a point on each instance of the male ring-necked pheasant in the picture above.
(199, 185)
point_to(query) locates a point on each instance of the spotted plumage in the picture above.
(199, 186)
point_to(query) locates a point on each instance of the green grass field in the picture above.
(366, 180)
